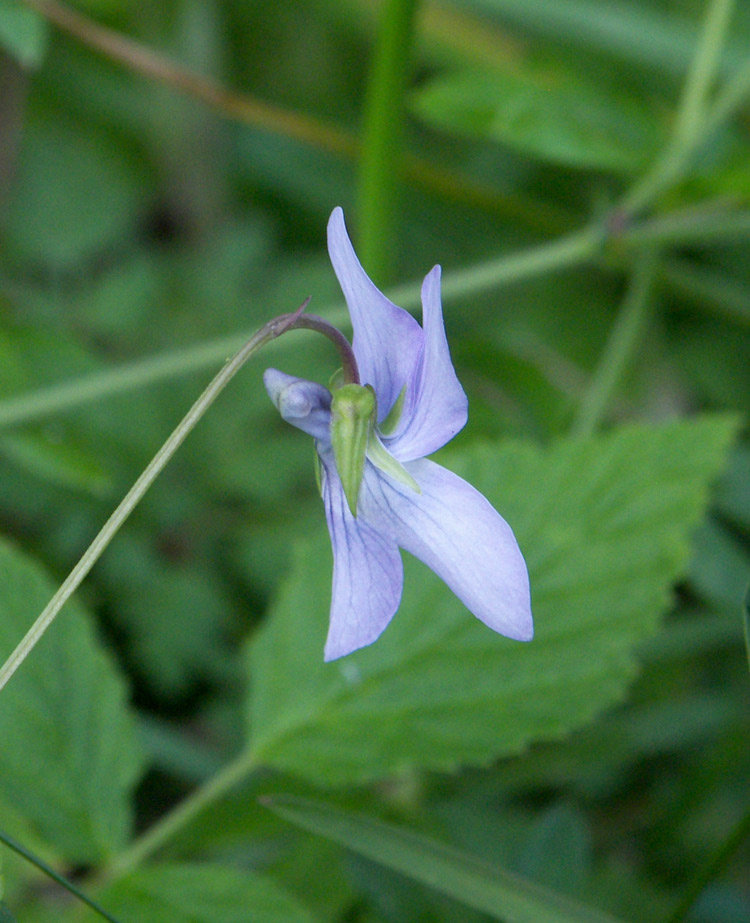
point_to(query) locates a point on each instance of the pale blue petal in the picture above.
(367, 573)
(459, 535)
(387, 340)
(304, 404)
(436, 407)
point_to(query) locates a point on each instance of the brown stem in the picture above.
(250, 111)
(244, 108)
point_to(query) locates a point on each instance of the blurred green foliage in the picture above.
(138, 222)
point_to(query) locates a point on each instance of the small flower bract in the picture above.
(403, 500)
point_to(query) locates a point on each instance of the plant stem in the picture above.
(48, 870)
(559, 254)
(691, 113)
(380, 166)
(234, 773)
(155, 66)
(266, 333)
(574, 249)
(728, 99)
(703, 70)
(248, 110)
(621, 345)
(563, 253)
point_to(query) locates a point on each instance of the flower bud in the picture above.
(352, 416)
(304, 404)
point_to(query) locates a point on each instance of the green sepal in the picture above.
(336, 380)
(318, 471)
(382, 458)
(352, 415)
(388, 426)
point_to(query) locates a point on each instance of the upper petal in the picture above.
(436, 407)
(387, 340)
(459, 535)
(367, 572)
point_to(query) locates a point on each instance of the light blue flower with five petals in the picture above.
(404, 500)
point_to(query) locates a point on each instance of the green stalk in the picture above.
(580, 247)
(703, 69)
(622, 344)
(233, 774)
(382, 150)
(728, 99)
(266, 333)
(48, 870)
(563, 253)
(692, 110)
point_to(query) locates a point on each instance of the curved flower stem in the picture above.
(268, 332)
(574, 249)
(346, 353)
(621, 344)
(381, 154)
(565, 252)
(689, 127)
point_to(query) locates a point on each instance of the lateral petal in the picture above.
(457, 533)
(436, 407)
(367, 572)
(387, 340)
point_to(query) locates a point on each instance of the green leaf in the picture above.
(557, 851)
(69, 757)
(77, 194)
(554, 115)
(200, 894)
(658, 36)
(5, 915)
(55, 876)
(171, 656)
(720, 567)
(604, 524)
(59, 461)
(23, 33)
(464, 877)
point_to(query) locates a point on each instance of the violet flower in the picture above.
(403, 500)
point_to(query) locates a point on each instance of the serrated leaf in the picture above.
(69, 757)
(554, 115)
(604, 524)
(464, 877)
(23, 33)
(200, 894)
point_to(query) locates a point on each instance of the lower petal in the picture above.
(457, 533)
(367, 573)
